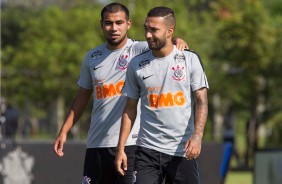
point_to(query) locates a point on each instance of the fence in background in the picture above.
(34, 162)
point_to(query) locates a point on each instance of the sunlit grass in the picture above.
(236, 177)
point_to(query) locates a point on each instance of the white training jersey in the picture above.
(104, 71)
(165, 86)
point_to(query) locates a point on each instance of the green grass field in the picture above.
(239, 177)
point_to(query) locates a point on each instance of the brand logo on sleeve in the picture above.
(144, 63)
(96, 55)
(179, 58)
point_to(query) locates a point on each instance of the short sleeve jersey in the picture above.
(165, 87)
(104, 71)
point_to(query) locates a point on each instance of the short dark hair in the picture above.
(113, 8)
(162, 11)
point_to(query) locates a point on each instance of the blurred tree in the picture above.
(43, 65)
(273, 115)
(245, 48)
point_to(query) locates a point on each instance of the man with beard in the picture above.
(172, 88)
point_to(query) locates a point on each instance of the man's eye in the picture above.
(119, 23)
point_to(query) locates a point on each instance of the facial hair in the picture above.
(159, 44)
(115, 42)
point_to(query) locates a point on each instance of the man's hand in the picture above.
(59, 144)
(121, 162)
(179, 43)
(193, 147)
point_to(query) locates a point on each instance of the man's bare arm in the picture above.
(80, 102)
(193, 145)
(201, 112)
(127, 122)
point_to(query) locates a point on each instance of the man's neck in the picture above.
(115, 47)
(163, 52)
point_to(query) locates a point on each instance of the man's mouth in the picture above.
(150, 42)
(114, 36)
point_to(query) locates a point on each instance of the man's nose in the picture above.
(114, 27)
(148, 34)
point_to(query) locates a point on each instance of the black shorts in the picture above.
(152, 167)
(99, 166)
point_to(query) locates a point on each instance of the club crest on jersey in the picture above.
(144, 63)
(96, 55)
(178, 73)
(179, 58)
(123, 60)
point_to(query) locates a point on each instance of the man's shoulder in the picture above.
(142, 55)
(134, 41)
(138, 46)
(191, 52)
(137, 43)
(186, 55)
(193, 56)
(141, 59)
(99, 47)
(96, 52)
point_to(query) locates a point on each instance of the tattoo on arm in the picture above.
(201, 112)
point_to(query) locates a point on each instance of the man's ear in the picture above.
(170, 32)
(129, 23)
